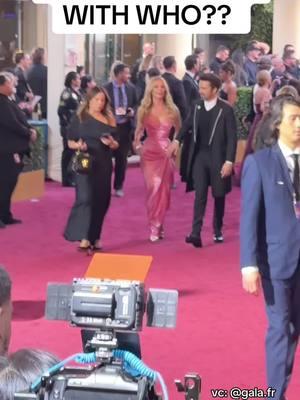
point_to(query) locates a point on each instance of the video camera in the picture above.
(111, 309)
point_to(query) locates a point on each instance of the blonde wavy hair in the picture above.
(147, 102)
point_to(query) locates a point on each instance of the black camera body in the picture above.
(107, 310)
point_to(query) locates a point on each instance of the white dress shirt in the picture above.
(288, 155)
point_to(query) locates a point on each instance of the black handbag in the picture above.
(81, 163)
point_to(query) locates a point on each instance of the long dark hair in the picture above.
(84, 108)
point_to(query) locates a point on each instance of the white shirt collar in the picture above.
(209, 104)
(286, 151)
(190, 74)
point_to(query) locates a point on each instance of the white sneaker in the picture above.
(119, 193)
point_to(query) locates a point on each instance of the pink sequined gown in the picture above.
(158, 170)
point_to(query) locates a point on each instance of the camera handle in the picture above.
(191, 386)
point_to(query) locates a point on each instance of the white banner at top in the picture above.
(151, 16)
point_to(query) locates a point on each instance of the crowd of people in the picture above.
(148, 110)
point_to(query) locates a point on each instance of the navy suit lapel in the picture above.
(279, 156)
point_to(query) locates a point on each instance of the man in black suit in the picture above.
(124, 101)
(191, 89)
(15, 135)
(222, 55)
(175, 85)
(211, 154)
(37, 78)
(190, 84)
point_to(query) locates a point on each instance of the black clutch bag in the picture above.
(81, 163)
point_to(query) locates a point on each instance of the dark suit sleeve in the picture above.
(231, 135)
(187, 125)
(250, 211)
(11, 121)
(180, 99)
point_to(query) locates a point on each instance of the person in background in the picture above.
(124, 101)
(201, 56)
(175, 85)
(23, 63)
(157, 62)
(80, 71)
(86, 84)
(5, 311)
(222, 55)
(141, 77)
(228, 90)
(250, 65)
(148, 49)
(240, 77)
(69, 102)
(15, 137)
(291, 66)
(157, 115)
(190, 85)
(37, 78)
(24, 367)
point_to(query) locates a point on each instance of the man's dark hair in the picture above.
(38, 56)
(222, 48)
(3, 79)
(152, 72)
(214, 81)
(169, 62)
(119, 68)
(276, 110)
(69, 78)
(198, 51)
(5, 287)
(19, 56)
(228, 66)
(285, 49)
(190, 62)
(79, 69)
(85, 80)
(296, 84)
(288, 54)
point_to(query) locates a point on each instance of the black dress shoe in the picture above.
(218, 237)
(2, 225)
(195, 241)
(13, 221)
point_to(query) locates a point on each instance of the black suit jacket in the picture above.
(191, 89)
(177, 93)
(14, 128)
(130, 93)
(37, 79)
(223, 140)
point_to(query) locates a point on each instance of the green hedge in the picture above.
(36, 160)
(242, 109)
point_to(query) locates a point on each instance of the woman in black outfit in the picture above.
(91, 130)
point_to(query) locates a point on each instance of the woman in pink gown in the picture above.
(157, 116)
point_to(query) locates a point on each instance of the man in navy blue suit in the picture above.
(270, 238)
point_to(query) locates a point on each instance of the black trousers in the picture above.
(202, 173)
(67, 153)
(9, 173)
(100, 184)
(123, 136)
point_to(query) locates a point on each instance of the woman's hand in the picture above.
(137, 145)
(173, 149)
(110, 142)
(81, 145)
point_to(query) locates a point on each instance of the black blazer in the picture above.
(177, 93)
(191, 89)
(38, 81)
(14, 128)
(130, 93)
(223, 141)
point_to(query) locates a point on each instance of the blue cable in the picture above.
(131, 363)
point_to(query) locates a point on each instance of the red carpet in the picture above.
(220, 331)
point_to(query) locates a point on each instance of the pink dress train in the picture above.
(158, 170)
